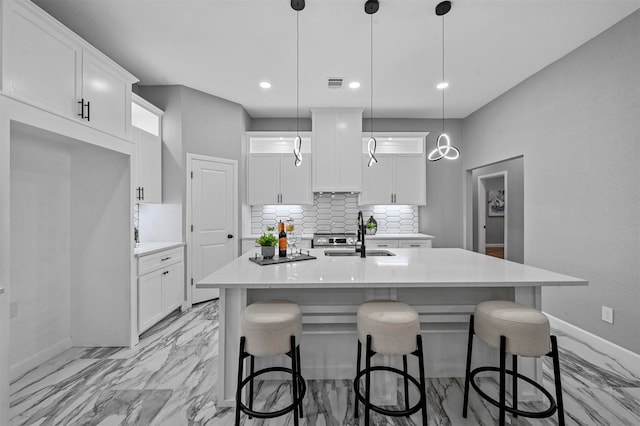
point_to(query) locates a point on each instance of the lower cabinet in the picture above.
(160, 286)
(416, 243)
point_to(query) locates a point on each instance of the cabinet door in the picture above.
(172, 288)
(323, 150)
(109, 108)
(149, 300)
(410, 185)
(349, 151)
(264, 179)
(381, 243)
(415, 244)
(377, 181)
(148, 166)
(295, 182)
(42, 63)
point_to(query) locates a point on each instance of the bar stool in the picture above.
(270, 327)
(389, 327)
(521, 331)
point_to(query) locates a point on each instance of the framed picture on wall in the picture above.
(495, 199)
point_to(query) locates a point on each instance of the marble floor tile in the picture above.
(169, 379)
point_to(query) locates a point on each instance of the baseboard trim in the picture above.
(630, 360)
(21, 367)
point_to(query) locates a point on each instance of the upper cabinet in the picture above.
(47, 65)
(336, 155)
(399, 176)
(273, 177)
(146, 120)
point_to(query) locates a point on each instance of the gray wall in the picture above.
(515, 208)
(576, 123)
(443, 214)
(197, 123)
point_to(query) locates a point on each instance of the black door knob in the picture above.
(229, 236)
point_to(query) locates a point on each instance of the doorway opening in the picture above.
(492, 214)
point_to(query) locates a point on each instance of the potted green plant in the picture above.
(268, 242)
(371, 228)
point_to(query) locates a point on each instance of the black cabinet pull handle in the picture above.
(229, 236)
(81, 102)
(142, 191)
(88, 111)
(165, 272)
(165, 258)
(82, 105)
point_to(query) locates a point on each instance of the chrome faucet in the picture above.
(361, 232)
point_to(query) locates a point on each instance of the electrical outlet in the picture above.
(13, 309)
(607, 314)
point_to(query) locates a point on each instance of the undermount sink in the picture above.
(354, 253)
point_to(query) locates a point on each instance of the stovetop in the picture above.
(333, 239)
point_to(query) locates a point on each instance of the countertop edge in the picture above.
(155, 248)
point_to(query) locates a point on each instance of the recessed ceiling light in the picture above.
(354, 85)
(442, 85)
(265, 84)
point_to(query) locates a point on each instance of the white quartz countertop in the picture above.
(254, 236)
(409, 268)
(142, 249)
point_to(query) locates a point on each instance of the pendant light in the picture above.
(297, 5)
(371, 7)
(443, 149)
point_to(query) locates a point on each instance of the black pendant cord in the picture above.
(371, 70)
(298, 73)
(443, 89)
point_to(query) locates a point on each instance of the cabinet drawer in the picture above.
(381, 243)
(415, 244)
(158, 260)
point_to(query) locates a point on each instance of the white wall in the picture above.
(577, 124)
(40, 248)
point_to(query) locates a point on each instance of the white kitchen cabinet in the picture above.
(380, 243)
(274, 179)
(147, 136)
(160, 286)
(415, 243)
(394, 179)
(47, 65)
(336, 149)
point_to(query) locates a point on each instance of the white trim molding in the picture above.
(628, 359)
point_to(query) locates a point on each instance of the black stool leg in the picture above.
(556, 377)
(294, 380)
(252, 364)
(299, 375)
(468, 369)
(514, 382)
(356, 384)
(503, 361)
(423, 392)
(367, 389)
(239, 387)
(406, 383)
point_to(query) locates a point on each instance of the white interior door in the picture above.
(213, 202)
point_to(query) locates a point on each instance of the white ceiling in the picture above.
(226, 47)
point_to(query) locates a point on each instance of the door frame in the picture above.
(482, 211)
(189, 169)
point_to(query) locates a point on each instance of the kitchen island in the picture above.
(442, 284)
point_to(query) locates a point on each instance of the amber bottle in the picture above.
(282, 240)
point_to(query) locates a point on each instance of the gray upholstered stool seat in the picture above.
(526, 329)
(268, 326)
(393, 326)
(389, 327)
(521, 331)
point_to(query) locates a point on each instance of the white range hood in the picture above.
(336, 149)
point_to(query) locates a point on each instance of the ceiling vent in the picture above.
(335, 83)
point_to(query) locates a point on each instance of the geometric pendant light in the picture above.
(443, 149)
(297, 5)
(371, 7)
